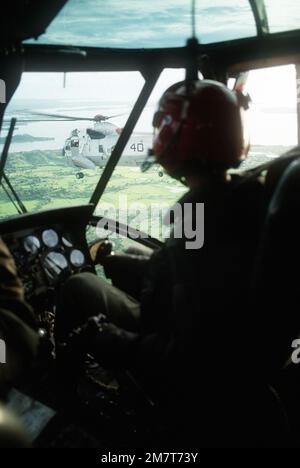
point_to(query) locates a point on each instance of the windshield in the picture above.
(135, 23)
(67, 127)
(271, 120)
(283, 16)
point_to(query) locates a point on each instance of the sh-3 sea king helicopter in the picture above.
(89, 148)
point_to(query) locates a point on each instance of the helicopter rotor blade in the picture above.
(60, 116)
(113, 116)
(65, 118)
(96, 118)
(39, 120)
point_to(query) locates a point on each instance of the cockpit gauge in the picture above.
(55, 262)
(50, 238)
(66, 242)
(77, 258)
(32, 244)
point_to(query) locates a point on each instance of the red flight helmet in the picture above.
(199, 126)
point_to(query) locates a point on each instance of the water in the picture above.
(266, 128)
(58, 132)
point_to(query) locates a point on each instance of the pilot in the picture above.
(177, 318)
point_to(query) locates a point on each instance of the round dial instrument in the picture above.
(55, 262)
(67, 242)
(32, 244)
(50, 238)
(77, 258)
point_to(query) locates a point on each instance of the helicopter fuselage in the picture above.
(88, 148)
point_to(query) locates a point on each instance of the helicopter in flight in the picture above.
(90, 147)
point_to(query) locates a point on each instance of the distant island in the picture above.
(27, 138)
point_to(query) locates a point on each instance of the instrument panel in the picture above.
(47, 253)
(45, 256)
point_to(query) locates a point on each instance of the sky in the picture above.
(272, 118)
(110, 86)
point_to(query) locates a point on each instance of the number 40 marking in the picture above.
(137, 147)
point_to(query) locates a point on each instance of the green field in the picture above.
(43, 180)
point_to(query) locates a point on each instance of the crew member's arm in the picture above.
(10, 284)
(17, 324)
(11, 288)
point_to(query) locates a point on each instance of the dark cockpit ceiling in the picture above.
(48, 35)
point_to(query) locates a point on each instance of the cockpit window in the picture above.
(271, 120)
(136, 23)
(283, 15)
(142, 200)
(67, 127)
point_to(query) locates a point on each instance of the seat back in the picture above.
(276, 285)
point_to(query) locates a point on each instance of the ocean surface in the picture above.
(272, 131)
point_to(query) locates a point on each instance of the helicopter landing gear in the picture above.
(79, 175)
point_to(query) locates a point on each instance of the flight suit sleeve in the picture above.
(17, 323)
(10, 284)
(156, 296)
(11, 288)
(21, 344)
(127, 272)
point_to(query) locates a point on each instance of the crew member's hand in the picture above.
(115, 264)
(10, 284)
(126, 271)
